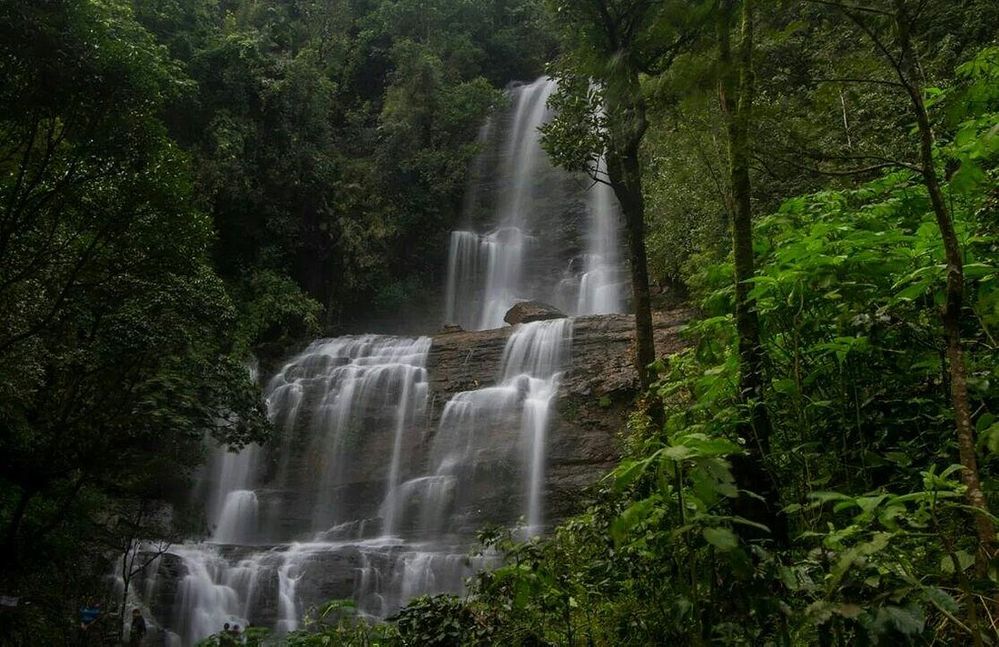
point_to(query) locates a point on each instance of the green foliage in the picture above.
(330, 141)
(334, 624)
(274, 314)
(115, 355)
(250, 636)
(599, 103)
(441, 621)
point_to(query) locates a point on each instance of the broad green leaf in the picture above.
(721, 538)
(964, 560)
(906, 621)
(679, 452)
(941, 599)
(968, 177)
(628, 472)
(632, 516)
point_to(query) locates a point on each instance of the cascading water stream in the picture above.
(601, 287)
(522, 248)
(534, 357)
(485, 270)
(232, 506)
(361, 496)
(356, 383)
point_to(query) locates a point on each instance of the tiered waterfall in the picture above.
(376, 483)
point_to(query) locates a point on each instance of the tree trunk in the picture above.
(951, 314)
(626, 112)
(736, 91)
(629, 193)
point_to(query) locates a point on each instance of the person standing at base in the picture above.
(138, 629)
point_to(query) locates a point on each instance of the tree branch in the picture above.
(858, 158)
(851, 172)
(895, 84)
(610, 26)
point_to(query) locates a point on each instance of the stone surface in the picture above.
(528, 311)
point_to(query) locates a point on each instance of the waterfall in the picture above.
(527, 246)
(601, 287)
(232, 507)
(357, 383)
(237, 522)
(377, 481)
(531, 366)
(485, 270)
(462, 279)
(534, 357)
(355, 407)
(208, 595)
(232, 510)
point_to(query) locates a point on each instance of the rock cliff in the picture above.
(594, 398)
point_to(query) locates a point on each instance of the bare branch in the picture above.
(594, 173)
(846, 172)
(767, 168)
(894, 84)
(23, 166)
(860, 158)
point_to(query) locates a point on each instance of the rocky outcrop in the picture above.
(601, 362)
(595, 394)
(528, 311)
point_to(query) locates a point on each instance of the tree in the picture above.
(115, 353)
(736, 89)
(891, 27)
(610, 46)
(134, 523)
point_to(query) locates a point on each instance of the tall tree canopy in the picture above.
(114, 353)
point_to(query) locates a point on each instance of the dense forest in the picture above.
(186, 184)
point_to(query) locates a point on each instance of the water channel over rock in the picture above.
(393, 451)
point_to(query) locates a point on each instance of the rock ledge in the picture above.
(528, 311)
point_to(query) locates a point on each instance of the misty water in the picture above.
(375, 487)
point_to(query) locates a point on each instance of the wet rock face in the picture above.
(601, 356)
(528, 311)
(169, 571)
(595, 395)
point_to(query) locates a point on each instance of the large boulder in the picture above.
(528, 311)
